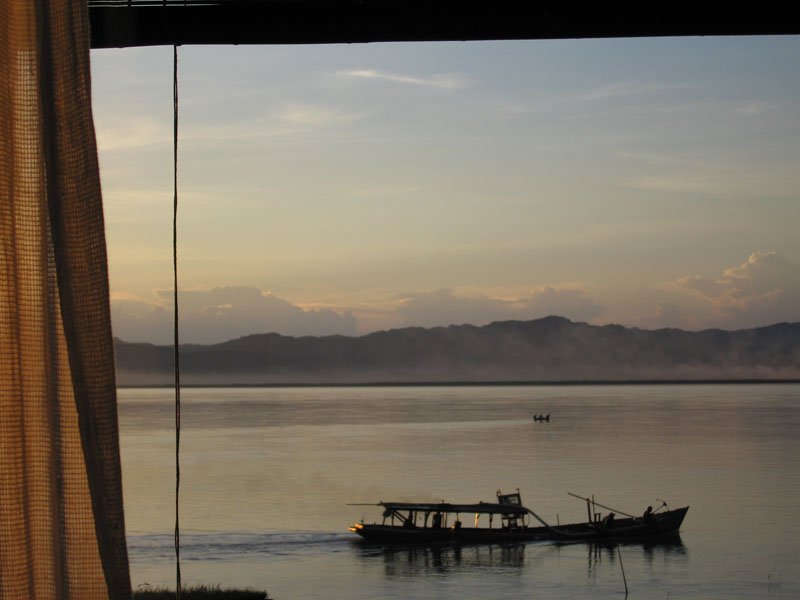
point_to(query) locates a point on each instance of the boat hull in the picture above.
(665, 523)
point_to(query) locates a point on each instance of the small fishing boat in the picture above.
(507, 520)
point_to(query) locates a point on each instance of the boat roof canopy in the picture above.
(446, 507)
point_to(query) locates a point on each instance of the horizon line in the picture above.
(489, 383)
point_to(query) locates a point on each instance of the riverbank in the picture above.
(202, 592)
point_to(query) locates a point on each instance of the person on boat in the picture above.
(648, 514)
(436, 523)
(608, 521)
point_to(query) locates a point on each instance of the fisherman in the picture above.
(648, 514)
(608, 521)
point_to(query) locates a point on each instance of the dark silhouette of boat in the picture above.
(507, 520)
(542, 418)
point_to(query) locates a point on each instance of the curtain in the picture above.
(62, 532)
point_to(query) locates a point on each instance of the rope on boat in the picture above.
(614, 510)
(554, 529)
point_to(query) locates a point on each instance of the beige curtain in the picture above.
(62, 532)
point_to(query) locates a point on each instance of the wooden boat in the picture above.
(506, 521)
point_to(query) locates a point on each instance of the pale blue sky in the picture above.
(348, 188)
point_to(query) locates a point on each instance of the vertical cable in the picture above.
(175, 302)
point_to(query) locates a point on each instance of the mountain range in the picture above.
(551, 349)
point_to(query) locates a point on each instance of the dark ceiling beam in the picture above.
(115, 24)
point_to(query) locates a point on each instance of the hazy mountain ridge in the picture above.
(549, 349)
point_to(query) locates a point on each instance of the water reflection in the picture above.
(603, 554)
(410, 561)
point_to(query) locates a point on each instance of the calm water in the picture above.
(266, 476)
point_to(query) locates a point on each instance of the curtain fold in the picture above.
(62, 532)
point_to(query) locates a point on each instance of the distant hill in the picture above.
(549, 349)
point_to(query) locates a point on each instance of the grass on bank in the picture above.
(200, 592)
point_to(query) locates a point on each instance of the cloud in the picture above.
(762, 290)
(443, 307)
(134, 132)
(709, 178)
(754, 107)
(311, 115)
(223, 313)
(684, 183)
(438, 80)
(665, 315)
(137, 321)
(631, 88)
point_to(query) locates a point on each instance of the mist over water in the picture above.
(267, 474)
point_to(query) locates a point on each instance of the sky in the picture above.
(344, 189)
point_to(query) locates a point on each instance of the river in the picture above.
(267, 475)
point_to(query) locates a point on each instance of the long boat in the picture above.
(507, 520)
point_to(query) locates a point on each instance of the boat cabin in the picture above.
(442, 515)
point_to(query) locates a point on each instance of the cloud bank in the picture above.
(443, 307)
(764, 289)
(223, 313)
